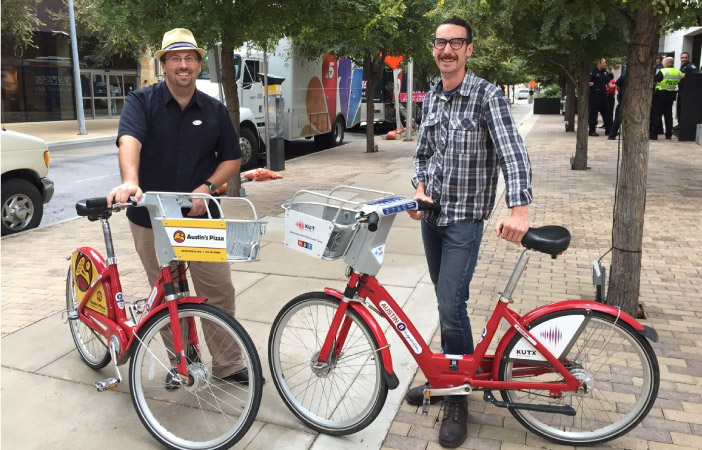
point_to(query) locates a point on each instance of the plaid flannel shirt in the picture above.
(462, 139)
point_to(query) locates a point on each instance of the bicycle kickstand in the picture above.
(110, 383)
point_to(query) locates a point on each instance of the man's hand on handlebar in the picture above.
(420, 195)
(514, 227)
(199, 204)
(121, 193)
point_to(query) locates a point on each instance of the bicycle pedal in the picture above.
(426, 401)
(108, 384)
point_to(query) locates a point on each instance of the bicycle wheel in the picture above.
(618, 366)
(91, 345)
(341, 396)
(211, 412)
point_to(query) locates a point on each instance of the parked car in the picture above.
(25, 187)
(523, 94)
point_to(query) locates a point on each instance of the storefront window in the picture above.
(99, 85)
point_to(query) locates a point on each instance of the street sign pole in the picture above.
(410, 96)
(76, 71)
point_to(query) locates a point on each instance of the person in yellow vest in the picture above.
(666, 80)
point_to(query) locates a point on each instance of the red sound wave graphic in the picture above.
(552, 335)
(300, 225)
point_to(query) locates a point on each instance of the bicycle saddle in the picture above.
(549, 239)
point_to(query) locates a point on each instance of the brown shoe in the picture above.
(454, 426)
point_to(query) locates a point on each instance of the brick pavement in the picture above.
(670, 281)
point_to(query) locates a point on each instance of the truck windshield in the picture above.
(237, 66)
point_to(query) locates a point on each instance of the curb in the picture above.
(72, 144)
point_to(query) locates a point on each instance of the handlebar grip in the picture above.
(373, 221)
(97, 202)
(426, 206)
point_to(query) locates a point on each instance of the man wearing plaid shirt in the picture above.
(466, 132)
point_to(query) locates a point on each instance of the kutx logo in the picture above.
(526, 352)
(179, 236)
(302, 226)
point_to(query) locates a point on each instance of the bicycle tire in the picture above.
(612, 358)
(339, 388)
(91, 345)
(213, 413)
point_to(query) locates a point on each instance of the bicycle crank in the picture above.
(111, 383)
(566, 410)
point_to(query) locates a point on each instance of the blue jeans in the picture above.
(452, 253)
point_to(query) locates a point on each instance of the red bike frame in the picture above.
(118, 324)
(444, 371)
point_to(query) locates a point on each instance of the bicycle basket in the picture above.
(179, 238)
(323, 230)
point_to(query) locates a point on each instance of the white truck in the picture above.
(25, 187)
(321, 98)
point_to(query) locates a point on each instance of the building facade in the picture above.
(38, 83)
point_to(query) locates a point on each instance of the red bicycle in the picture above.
(182, 350)
(573, 372)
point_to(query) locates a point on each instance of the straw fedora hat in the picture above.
(179, 39)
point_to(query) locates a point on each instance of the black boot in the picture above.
(454, 426)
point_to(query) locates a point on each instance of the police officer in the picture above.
(685, 67)
(666, 80)
(599, 78)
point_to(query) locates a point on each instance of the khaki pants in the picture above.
(212, 280)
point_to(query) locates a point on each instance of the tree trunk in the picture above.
(570, 106)
(231, 96)
(580, 161)
(625, 273)
(371, 82)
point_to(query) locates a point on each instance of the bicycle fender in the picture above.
(571, 305)
(390, 377)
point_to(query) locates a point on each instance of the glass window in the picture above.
(237, 66)
(101, 107)
(116, 86)
(250, 73)
(85, 84)
(100, 87)
(87, 107)
(117, 105)
(129, 84)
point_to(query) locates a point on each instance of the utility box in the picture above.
(276, 125)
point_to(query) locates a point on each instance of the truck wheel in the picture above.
(22, 206)
(248, 142)
(333, 138)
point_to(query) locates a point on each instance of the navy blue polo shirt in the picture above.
(180, 148)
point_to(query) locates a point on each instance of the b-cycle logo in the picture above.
(302, 226)
(83, 272)
(179, 236)
(401, 327)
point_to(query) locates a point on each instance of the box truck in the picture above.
(321, 98)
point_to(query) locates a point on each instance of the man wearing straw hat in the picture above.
(173, 138)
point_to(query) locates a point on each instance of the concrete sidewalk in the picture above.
(66, 131)
(44, 379)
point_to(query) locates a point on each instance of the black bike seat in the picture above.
(549, 239)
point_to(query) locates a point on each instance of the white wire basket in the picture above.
(323, 225)
(181, 238)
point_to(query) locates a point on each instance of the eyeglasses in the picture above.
(189, 60)
(456, 43)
